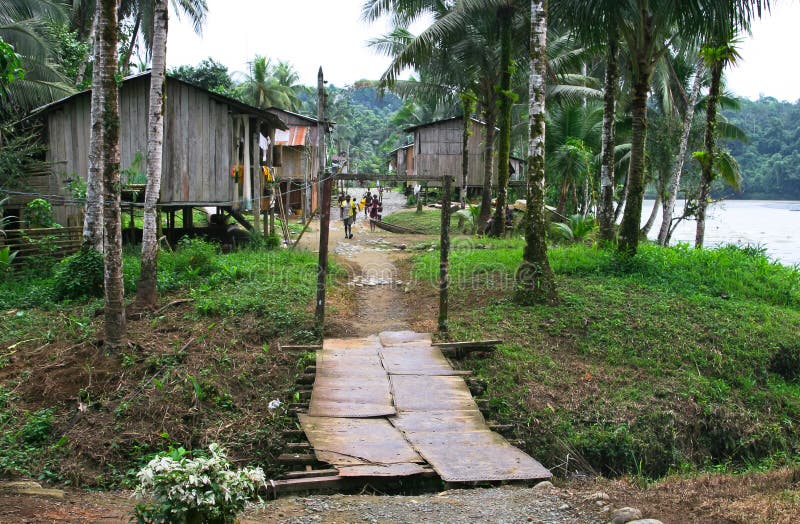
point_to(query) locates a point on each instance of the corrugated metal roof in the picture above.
(294, 136)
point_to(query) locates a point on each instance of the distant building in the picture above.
(437, 150)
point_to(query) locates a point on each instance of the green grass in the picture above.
(665, 362)
(428, 221)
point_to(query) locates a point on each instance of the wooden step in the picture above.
(300, 347)
(311, 473)
(293, 433)
(295, 459)
(306, 378)
(298, 446)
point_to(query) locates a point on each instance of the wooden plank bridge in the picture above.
(391, 406)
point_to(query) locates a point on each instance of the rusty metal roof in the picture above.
(294, 136)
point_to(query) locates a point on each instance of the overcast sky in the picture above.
(328, 33)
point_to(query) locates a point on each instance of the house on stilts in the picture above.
(218, 156)
(436, 149)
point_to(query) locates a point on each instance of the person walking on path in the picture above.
(368, 202)
(349, 212)
(373, 214)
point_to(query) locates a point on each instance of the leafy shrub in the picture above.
(39, 213)
(79, 275)
(194, 256)
(201, 489)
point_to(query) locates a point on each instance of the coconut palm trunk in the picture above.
(535, 282)
(504, 16)
(606, 207)
(93, 212)
(677, 171)
(146, 293)
(108, 118)
(468, 106)
(632, 216)
(126, 58)
(490, 118)
(709, 147)
(653, 215)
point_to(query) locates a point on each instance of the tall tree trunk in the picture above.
(92, 45)
(632, 216)
(506, 101)
(93, 213)
(146, 292)
(709, 147)
(490, 119)
(606, 207)
(653, 214)
(468, 106)
(622, 199)
(126, 59)
(535, 282)
(677, 171)
(112, 217)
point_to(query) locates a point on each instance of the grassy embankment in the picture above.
(428, 221)
(678, 360)
(195, 372)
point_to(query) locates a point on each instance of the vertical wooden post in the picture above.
(188, 218)
(324, 199)
(258, 177)
(133, 222)
(444, 254)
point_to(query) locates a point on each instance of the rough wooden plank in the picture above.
(314, 473)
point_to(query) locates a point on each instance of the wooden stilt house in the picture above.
(214, 153)
(437, 150)
(296, 160)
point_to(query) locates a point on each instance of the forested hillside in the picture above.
(770, 162)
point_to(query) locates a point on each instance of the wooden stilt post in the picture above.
(444, 254)
(258, 192)
(324, 199)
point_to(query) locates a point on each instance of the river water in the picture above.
(772, 224)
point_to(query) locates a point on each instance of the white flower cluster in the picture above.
(205, 485)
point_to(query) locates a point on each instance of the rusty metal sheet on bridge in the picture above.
(475, 456)
(431, 393)
(350, 380)
(358, 441)
(412, 359)
(393, 338)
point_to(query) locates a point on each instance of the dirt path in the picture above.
(373, 260)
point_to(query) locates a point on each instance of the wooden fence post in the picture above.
(444, 254)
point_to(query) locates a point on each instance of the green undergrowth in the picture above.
(676, 360)
(428, 221)
(194, 372)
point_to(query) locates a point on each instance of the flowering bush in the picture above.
(189, 490)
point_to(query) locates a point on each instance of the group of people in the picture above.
(349, 210)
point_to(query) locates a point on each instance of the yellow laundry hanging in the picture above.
(268, 176)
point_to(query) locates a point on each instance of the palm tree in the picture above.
(457, 37)
(535, 282)
(105, 116)
(146, 294)
(716, 57)
(24, 26)
(264, 88)
(648, 29)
